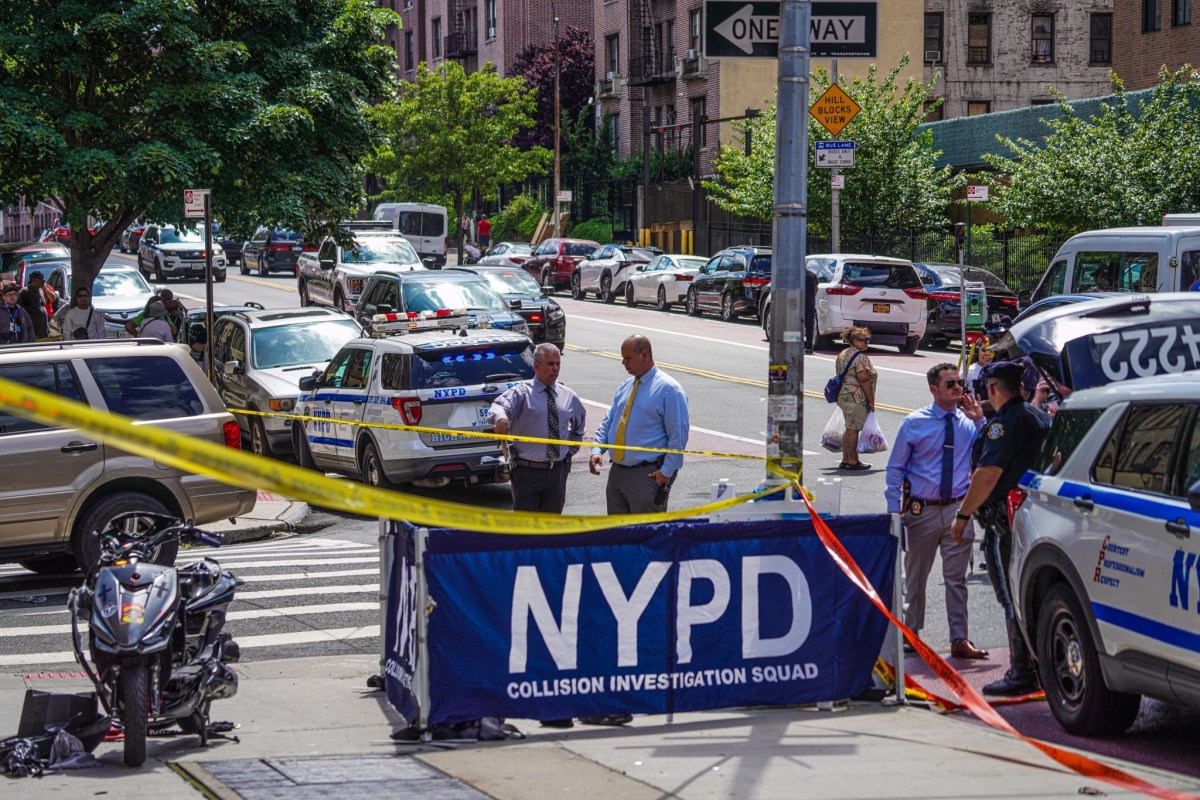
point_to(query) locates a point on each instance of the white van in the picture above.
(1145, 259)
(423, 224)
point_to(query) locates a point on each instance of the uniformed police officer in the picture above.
(1012, 441)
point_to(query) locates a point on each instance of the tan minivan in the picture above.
(59, 485)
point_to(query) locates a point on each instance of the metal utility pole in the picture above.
(786, 370)
(557, 125)
(208, 283)
(835, 225)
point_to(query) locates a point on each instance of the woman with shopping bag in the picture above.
(857, 396)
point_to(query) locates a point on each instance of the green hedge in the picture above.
(598, 230)
(518, 220)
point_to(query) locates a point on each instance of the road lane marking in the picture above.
(300, 591)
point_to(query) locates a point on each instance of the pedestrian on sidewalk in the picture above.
(1012, 442)
(33, 299)
(155, 325)
(857, 396)
(15, 325)
(931, 456)
(545, 409)
(650, 409)
(484, 232)
(79, 319)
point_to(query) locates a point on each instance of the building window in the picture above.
(669, 52)
(1100, 47)
(979, 38)
(614, 131)
(612, 54)
(1042, 101)
(700, 133)
(437, 38)
(937, 114)
(409, 51)
(1151, 15)
(933, 38)
(489, 17)
(694, 31)
(1181, 12)
(977, 107)
(1043, 38)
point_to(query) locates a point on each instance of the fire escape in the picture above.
(648, 61)
(462, 38)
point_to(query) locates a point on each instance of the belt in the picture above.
(658, 462)
(950, 502)
(525, 462)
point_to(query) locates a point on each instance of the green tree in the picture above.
(449, 134)
(1127, 165)
(113, 107)
(894, 184)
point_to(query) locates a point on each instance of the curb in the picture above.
(289, 523)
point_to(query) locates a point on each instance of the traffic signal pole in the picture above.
(785, 399)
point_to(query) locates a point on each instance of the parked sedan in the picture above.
(507, 254)
(606, 271)
(17, 262)
(259, 358)
(270, 250)
(230, 243)
(131, 237)
(731, 283)
(942, 281)
(664, 281)
(546, 320)
(553, 261)
(119, 293)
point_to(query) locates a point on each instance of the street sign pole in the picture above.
(785, 400)
(208, 281)
(835, 225)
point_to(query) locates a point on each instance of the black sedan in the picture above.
(731, 283)
(546, 320)
(942, 281)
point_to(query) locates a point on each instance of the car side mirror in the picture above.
(326, 263)
(545, 291)
(310, 383)
(232, 367)
(515, 305)
(383, 309)
(1024, 296)
(1194, 496)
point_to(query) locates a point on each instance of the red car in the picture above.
(554, 260)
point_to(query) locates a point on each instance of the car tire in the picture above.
(629, 299)
(258, 438)
(661, 302)
(159, 277)
(577, 292)
(693, 304)
(606, 292)
(910, 345)
(727, 312)
(1069, 669)
(96, 518)
(371, 467)
(304, 457)
(339, 302)
(303, 292)
(264, 269)
(766, 322)
(51, 565)
(547, 284)
(242, 267)
(219, 278)
(828, 342)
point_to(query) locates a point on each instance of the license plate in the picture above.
(296, 249)
(881, 308)
(469, 415)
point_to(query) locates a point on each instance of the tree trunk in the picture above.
(90, 251)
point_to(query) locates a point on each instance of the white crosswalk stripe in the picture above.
(310, 596)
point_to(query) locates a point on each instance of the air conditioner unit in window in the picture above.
(610, 76)
(693, 53)
(491, 33)
(933, 56)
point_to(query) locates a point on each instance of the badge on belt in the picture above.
(915, 508)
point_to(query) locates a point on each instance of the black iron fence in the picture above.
(612, 200)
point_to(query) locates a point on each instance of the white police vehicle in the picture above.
(420, 369)
(1105, 578)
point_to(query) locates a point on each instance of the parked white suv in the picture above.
(439, 375)
(335, 275)
(1105, 549)
(884, 294)
(60, 484)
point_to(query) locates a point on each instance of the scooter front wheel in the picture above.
(134, 711)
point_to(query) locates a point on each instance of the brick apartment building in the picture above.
(995, 55)
(1151, 34)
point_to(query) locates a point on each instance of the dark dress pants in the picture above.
(536, 489)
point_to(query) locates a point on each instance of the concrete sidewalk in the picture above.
(272, 513)
(309, 728)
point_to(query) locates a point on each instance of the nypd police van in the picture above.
(1105, 578)
(418, 369)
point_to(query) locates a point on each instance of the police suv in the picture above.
(1105, 577)
(418, 369)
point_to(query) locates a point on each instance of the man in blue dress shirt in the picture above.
(928, 472)
(649, 410)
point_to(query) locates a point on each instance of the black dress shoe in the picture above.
(608, 719)
(856, 467)
(1013, 684)
(558, 723)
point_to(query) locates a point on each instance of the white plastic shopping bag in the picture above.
(871, 439)
(831, 437)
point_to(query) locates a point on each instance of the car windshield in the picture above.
(578, 249)
(882, 276)
(520, 249)
(125, 283)
(301, 344)
(638, 254)
(690, 263)
(512, 282)
(429, 296)
(174, 236)
(390, 251)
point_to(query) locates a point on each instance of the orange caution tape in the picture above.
(974, 701)
(913, 689)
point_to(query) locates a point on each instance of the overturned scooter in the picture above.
(156, 639)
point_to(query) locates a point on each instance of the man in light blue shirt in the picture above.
(649, 410)
(928, 472)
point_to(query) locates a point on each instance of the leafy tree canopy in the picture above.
(576, 60)
(1127, 165)
(114, 107)
(894, 183)
(449, 134)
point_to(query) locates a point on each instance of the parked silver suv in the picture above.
(60, 485)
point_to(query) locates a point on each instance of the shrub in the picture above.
(598, 230)
(512, 223)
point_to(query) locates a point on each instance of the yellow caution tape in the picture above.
(491, 436)
(234, 467)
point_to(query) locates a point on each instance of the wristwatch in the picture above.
(964, 517)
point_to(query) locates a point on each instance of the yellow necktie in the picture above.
(619, 440)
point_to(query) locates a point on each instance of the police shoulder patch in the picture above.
(995, 430)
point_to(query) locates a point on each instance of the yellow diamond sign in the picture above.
(834, 109)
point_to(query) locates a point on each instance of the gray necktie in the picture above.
(552, 420)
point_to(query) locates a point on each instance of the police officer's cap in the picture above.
(1008, 371)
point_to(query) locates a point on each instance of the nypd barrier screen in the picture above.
(647, 619)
